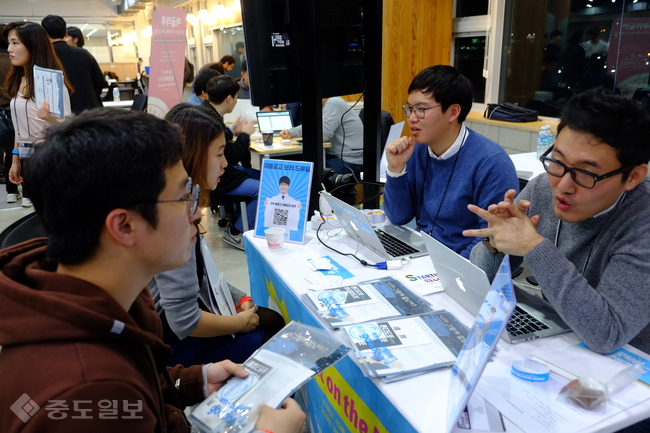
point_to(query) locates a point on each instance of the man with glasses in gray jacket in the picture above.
(582, 229)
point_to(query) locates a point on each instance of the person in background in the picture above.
(222, 66)
(7, 145)
(240, 58)
(228, 62)
(200, 86)
(572, 61)
(433, 175)
(240, 53)
(29, 46)
(80, 67)
(244, 85)
(188, 78)
(343, 128)
(75, 312)
(196, 330)
(583, 228)
(553, 45)
(74, 37)
(593, 44)
(239, 177)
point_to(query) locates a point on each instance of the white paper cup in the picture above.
(275, 238)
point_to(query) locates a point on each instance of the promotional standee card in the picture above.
(284, 198)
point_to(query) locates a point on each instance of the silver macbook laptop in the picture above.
(242, 108)
(467, 284)
(390, 242)
(495, 311)
(273, 121)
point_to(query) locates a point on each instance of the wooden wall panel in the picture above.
(416, 34)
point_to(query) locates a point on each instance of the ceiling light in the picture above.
(192, 19)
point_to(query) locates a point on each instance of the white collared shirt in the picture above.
(453, 150)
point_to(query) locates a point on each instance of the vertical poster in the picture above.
(627, 59)
(168, 43)
(284, 198)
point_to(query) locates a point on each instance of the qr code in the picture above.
(280, 217)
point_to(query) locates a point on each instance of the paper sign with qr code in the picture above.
(284, 198)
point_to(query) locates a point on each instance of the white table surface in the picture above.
(527, 162)
(422, 400)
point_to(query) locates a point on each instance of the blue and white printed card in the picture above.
(284, 198)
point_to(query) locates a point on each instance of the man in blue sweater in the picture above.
(445, 166)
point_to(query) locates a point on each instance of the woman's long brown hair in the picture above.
(41, 53)
(200, 128)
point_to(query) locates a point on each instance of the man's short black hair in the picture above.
(98, 161)
(55, 26)
(201, 81)
(244, 67)
(447, 86)
(616, 121)
(285, 179)
(555, 33)
(239, 45)
(219, 88)
(228, 59)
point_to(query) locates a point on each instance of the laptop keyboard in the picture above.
(522, 323)
(394, 246)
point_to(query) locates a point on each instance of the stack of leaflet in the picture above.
(399, 348)
(382, 298)
(394, 332)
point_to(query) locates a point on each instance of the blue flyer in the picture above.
(337, 269)
(284, 198)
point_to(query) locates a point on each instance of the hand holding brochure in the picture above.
(369, 300)
(48, 86)
(277, 369)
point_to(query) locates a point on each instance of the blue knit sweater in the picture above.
(482, 174)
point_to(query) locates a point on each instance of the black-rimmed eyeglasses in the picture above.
(192, 196)
(583, 178)
(419, 111)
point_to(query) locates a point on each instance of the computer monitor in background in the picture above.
(272, 35)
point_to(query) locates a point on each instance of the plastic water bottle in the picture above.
(116, 94)
(545, 140)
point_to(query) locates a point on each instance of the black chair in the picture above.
(26, 228)
(385, 121)
(126, 93)
(218, 204)
(139, 102)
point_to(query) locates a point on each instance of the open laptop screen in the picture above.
(273, 121)
(481, 342)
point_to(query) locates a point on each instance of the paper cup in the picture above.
(267, 139)
(275, 238)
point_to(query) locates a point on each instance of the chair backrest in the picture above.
(126, 93)
(139, 102)
(385, 121)
(26, 228)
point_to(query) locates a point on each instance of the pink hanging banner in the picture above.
(629, 54)
(168, 42)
